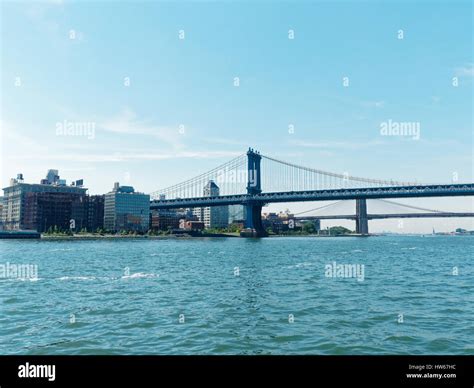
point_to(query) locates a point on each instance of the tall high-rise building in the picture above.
(125, 209)
(212, 216)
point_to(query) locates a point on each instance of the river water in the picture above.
(405, 295)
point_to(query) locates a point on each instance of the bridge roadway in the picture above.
(419, 191)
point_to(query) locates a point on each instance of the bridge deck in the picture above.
(419, 191)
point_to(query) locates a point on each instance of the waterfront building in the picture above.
(283, 221)
(54, 210)
(237, 214)
(212, 216)
(194, 225)
(125, 209)
(95, 212)
(1, 207)
(274, 222)
(39, 207)
(166, 219)
(198, 213)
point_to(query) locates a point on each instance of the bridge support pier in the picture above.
(362, 223)
(253, 222)
(253, 217)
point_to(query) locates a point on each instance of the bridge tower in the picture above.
(362, 223)
(253, 213)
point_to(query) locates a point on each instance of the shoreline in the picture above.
(132, 237)
(182, 236)
(210, 235)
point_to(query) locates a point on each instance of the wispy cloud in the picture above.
(127, 123)
(125, 157)
(37, 13)
(465, 71)
(169, 146)
(373, 104)
(352, 145)
(12, 136)
(224, 141)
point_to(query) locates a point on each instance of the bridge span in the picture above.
(247, 181)
(385, 216)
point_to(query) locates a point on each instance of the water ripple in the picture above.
(184, 297)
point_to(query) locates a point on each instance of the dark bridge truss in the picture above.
(320, 195)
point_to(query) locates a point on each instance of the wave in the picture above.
(140, 275)
(300, 265)
(137, 275)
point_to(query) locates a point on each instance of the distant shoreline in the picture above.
(138, 237)
(182, 236)
(213, 235)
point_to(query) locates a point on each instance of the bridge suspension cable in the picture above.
(317, 208)
(299, 178)
(230, 178)
(379, 200)
(410, 206)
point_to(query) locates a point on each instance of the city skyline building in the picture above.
(95, 212)
(212, 216)
(237, 213)
(127, 210)
(49, 204)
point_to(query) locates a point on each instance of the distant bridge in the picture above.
(427, 213)
(254, 180)
(384, 216)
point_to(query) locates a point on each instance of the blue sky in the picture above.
(47, 78)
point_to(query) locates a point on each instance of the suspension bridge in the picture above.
(427, 213)
(254, 180)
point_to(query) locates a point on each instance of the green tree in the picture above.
(309, 228)
(338, 230)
